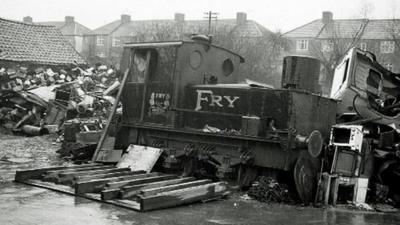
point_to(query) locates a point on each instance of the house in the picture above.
(328, 40)
(71, 30)
(327, 36)
(33, 44)
(106, 42)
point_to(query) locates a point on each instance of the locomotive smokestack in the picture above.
(300, 72)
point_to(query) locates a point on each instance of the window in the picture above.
(227, 67)
(195, 59)
(116, 42)
(302, 45)
(387, 46)
(374, 83)
(339, 78)
(100, 41)
(363, 46)
(327, 46)
(389, 66)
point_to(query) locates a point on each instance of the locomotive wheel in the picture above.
(305, 177)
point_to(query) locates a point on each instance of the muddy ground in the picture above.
(22, 204)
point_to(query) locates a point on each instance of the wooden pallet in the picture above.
(135, 190)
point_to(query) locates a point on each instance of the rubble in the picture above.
(267, 189)
(37, 101)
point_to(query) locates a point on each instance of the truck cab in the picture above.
(366, 90)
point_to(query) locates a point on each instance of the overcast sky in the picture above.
(273, 14)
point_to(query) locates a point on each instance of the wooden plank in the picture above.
(68, 169)
(93, 172)
(109, 194)
(111, 116)
(326, 186)
(107, 175)
(68, 177)
(129, 191)
(53, 175)
(37, 173)
(182, 196)
(154, 191)
(119, 184)
(334, 189)
(98, 184)
(113, 193)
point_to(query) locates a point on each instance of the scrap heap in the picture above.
(42, 100)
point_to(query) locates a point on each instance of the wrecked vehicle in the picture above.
(365, 141)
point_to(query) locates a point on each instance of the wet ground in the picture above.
(22, 204)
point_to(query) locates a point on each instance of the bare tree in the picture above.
(333, 46)
(262, 53)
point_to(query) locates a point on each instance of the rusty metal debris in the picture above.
(37, 101)
(267, 189)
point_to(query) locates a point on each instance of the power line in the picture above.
(210, 16)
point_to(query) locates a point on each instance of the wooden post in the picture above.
(326, 186)
(334, 189)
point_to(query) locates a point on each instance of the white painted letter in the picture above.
(231, 101)
(216, 99)
(200, 98)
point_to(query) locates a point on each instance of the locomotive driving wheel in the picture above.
(306, 177)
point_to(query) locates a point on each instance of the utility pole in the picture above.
(210, 16)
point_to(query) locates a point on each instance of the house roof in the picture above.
(348, 28)
(33, 43)
(382, 29)
(309, 30)
(343, 28)
(117, 28)
(68, 29)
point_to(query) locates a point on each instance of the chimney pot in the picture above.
(27, 19)
(327, 17)
(69, 19)
(125, 18)
(179, 17)
(241, 18)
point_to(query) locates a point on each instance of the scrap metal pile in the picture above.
(268, 190)
(39, 101)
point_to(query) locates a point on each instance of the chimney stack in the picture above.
(327, 17)
(125, 18)
(241, 18)
(27, 19)
(180, 17)
(69, 19)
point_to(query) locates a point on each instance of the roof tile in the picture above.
(35, 43)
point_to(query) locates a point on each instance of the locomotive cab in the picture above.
(160, 71)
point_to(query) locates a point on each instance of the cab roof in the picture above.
(175, 43)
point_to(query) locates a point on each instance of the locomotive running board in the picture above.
(136, 190)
